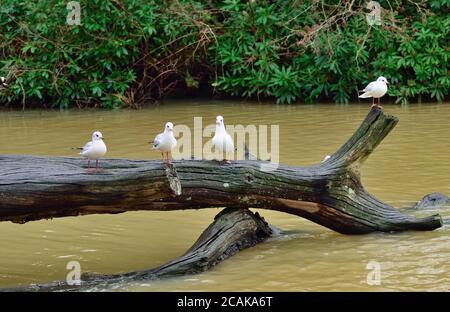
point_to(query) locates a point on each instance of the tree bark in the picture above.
(329, 193)
(233, 229)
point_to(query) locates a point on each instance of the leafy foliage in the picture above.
(127, 52)
(298, 50)
(121, 49)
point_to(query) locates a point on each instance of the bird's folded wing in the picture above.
(230, 142)
(157, 140)
(86, 147)
(370, 87)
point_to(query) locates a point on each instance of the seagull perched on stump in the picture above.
(375, 90)
(165, 142)
(94, 150)
(222, 141)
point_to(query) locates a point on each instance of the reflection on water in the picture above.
(411, 162)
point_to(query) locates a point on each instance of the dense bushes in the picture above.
(126, 52)
(313, 52)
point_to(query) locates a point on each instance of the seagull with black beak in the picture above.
(165, 142)
(375, 90)
(222, 141)
(94, 150)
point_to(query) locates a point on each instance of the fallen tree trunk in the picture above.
(233, 229)
(330, 193)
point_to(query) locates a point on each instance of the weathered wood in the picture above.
(233, 229)
(330, 193)
(433, 200)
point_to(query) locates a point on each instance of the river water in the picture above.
(411, 162)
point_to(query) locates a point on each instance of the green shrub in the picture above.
(119, 45)
(127, 52)
(300, 51)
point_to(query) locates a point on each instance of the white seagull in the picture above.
(165, 142)
(95, 149)
(3, 82)
(375, 90)
(222, 141)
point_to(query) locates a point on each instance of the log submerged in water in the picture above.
(330, 193)
(233, 230)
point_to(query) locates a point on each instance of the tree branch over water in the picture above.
(330, 193)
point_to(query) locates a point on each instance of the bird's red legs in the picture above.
(379, 106)
(167, 157)
(89, 165)
(225, 160)
(373, 102)
(96, 165)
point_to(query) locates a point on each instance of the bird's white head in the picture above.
(97, 135)
(169, 127)
(383, 80)
(219, 120)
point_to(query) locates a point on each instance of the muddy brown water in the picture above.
(412, 161)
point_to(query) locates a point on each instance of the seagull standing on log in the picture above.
(165, 142)
(375, 90)
(222, 141)
(94, 150)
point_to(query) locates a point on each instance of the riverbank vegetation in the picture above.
(128, 52)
